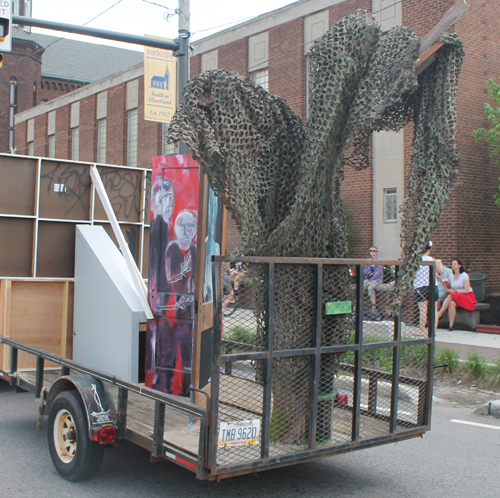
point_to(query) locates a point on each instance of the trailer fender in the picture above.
(99, 406)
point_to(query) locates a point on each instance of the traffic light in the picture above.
(5, 28)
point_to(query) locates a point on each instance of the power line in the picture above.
(59, 39)
(103, 12)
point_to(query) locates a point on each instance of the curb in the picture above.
(491, 408)
(488, 329)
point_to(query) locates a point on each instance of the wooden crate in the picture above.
(39, 313)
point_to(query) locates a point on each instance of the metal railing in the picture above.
(155, 443)
(305, 364)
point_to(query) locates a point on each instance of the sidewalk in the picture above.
(486, 345)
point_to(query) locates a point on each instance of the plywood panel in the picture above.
(36, 313)
(17, 187)
(124, 189)
(64, 190)
(16, 243)
(69, 328)
(56, 249)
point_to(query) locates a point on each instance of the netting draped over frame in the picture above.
(281, 180)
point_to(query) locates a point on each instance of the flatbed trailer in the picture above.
(381, 390)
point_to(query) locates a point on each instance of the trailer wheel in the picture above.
(74, 455)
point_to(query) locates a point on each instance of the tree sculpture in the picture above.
(281, 178)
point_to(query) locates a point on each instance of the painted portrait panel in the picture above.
(175, 185)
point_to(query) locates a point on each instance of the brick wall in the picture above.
(52, 88)
(478, 217)
(149, 133)
(24, 65)
(116, 146)
(287, 64)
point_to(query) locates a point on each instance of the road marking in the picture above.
(476, 424)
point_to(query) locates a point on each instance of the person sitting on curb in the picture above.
(373, 277)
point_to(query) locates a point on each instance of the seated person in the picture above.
(373, 277)
(460, 293)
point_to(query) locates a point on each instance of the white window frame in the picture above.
(261, 78)
(258, 52)
(132, 137)
(166, 148)
(390, 194)
(52, 146)
(101, 141)
(75, 144)
(209, 60)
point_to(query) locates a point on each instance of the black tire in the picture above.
(74, 455)
(231, 307)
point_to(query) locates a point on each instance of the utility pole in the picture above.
(180, 46)
(183, 54)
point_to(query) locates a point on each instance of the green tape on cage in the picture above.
(338, 307)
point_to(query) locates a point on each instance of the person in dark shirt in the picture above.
(373, 276)
(162, 205)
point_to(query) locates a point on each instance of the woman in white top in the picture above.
(421, 288)
(460, 293)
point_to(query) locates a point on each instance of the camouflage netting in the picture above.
(281, 179)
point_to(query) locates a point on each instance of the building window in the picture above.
(390, 205)
(166, 148)
(12, 111)
(101, 141)
(52, 146)
(30, 136)
(133, 123)
(75, 144)
(261, 78)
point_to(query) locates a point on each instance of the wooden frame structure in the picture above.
(41, 202)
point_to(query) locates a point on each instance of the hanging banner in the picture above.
(160, 84)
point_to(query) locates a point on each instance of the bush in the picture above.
(240, 334)
(476, 365)
(494, 371)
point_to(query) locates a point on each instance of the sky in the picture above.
(141, 17)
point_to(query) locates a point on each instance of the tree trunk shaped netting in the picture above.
(281, 178)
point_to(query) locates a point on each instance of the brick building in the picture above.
(102, 121)
(41, 68)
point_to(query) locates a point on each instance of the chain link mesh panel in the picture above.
(277, 373)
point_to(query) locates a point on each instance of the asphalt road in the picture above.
(452, 460)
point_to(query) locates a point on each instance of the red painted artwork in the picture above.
(175, 185)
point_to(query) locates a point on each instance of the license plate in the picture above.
(239, 433)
